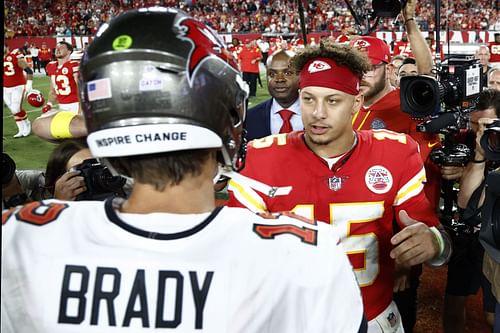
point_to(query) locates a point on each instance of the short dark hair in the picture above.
(489, 98)
(56, 165)
(410, 61)
(343, 55)
(68, 45)
(163, 169)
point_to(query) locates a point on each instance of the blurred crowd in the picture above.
(83, 17)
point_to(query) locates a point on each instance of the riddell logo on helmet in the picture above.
(206, 43)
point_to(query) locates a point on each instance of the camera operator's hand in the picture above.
(479, 151)
(415, 244)
(452, 172)
(69, 185)
(474, 171)
(409, 9)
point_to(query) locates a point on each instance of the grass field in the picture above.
(32, 152)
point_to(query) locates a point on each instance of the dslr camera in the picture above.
(100, 183)
(490, 141)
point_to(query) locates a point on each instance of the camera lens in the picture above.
(421, 94)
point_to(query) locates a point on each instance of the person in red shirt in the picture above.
(250, 57)
(44, 55)
(402, 47)
(352, 179)
(63, 75)
(495, 50)
(16, 86)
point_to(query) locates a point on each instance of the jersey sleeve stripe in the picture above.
(412, 188)
(247, 197)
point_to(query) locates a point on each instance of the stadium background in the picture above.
(466, 25)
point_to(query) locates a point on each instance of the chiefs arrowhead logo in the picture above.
(318, 66)
(361, 45)
(206, 44)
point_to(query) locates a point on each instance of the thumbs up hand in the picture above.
(415, 244)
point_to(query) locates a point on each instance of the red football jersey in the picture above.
(246, 56)
(361, 194)
(386, 114)
(402, 48)
(63, 80)
(44, 54)
(13, 75)
(494, 51)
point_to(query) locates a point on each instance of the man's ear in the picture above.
(358, 102)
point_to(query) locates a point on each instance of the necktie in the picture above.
(287, 125)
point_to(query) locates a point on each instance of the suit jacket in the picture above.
(258, 120)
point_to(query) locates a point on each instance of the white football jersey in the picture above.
(85, 267)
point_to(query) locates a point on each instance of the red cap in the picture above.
(325, 72)
(377, 50)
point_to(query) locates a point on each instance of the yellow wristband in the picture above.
(439, 239)
(59, 126)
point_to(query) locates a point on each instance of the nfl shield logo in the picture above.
(392, 319)
(335, 183)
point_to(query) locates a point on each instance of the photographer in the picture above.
(69, 164)
(488, 143)
(60, 181)
(490, 229)
(71, 169)
(464, 269)
(19, 186)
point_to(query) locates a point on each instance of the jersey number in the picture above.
(345, 216)
(39, 213)
(8, 68)
(306, 235)
(61, 84)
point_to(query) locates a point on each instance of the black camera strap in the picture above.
(471, 215)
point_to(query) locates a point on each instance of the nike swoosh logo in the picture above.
(430, 145)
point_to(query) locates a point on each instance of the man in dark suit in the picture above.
(281, 113)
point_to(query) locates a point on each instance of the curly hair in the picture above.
(342, 54)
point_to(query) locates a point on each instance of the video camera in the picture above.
(100, 183)
(443, 103)
(458, 84)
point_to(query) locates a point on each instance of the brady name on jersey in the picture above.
(198, 290)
